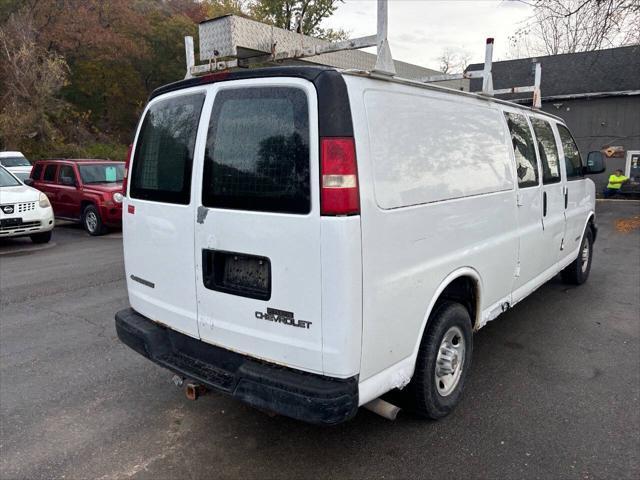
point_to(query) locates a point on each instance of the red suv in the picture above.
(86, 191)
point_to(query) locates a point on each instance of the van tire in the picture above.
(423, 393)
(577, 272)
(42, 237)
(92, 222)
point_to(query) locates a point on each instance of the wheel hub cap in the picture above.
(585, 256)
(92, 221)
(450, 361)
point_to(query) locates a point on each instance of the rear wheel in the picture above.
(443, 362)
(92, 222)
(577, 272)
(42, 237)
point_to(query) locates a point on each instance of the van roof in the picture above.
(312, 72)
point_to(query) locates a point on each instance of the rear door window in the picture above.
(50, 173)
(572, 160)
(257, 155)
(164, 153)
(548, 151)
(522, 141)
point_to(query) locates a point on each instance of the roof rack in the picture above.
(231, 41)
(487, 78)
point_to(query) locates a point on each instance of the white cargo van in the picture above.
(307, 239)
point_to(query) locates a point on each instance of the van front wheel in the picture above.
(577, 272)
(443, 362)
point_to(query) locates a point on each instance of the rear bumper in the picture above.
(303, 396)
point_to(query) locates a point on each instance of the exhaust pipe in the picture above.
(194, 390)
(382, 408)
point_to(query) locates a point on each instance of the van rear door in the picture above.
(159, 211)
(257, 248)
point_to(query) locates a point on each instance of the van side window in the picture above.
(522, 141)
(164, 153)
(257, 155)
(572, 160)
(36, 172)
(548, 151)
(50, 173)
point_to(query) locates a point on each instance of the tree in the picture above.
(31, 78)
(568, 26)
(454, 60)
(301, 16)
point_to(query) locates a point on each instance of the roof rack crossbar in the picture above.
(230, 42)
(487, 78)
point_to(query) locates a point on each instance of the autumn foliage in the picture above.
(75, 74)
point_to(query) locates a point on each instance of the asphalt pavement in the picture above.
(554, 390)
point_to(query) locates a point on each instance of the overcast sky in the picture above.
(419, 30)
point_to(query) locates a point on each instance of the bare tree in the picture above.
(452, 60)
(568, 26)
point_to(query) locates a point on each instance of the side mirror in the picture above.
(595, 163)
(28, 181)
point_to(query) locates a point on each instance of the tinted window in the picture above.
(50, 173)
(102, 173)
(37, 171)
(522, 141)
(257, 155)
(572, 160)
(66, 173)
(164, 152)
(14, 162)
(548, 151)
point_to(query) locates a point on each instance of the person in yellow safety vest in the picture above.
(615, 183)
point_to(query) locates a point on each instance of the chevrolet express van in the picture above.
(307, 239)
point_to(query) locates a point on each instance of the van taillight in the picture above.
(339, 177)
(127, 163)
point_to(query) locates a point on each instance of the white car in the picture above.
(16, 163)
(24, 211)
(307, 239)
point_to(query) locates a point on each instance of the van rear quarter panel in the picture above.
(437, 195)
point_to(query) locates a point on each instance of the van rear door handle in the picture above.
(566, 197)
(544, 204)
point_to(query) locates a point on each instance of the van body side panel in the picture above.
(341, 295)
(410, 246)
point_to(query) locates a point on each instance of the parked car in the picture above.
(307, 239)
(24, 211)
(16, 163)
(86, 191)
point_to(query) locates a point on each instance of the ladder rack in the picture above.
(231, 41)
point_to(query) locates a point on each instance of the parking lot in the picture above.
(554, 391)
